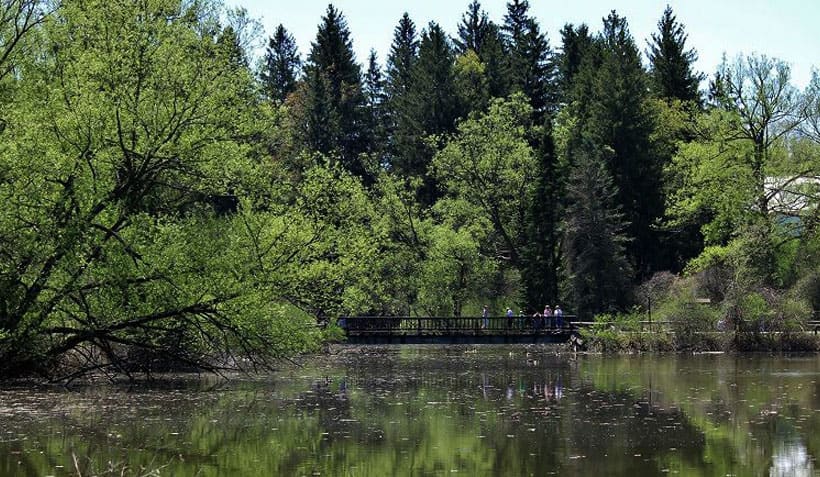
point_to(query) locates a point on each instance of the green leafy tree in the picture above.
(120, 248)
(471, 81)
(490, 164)
(405, 229)
(455, 270)
(811, 126)
(742, 143)
(315, 251)
(18, 18)
(281, 65)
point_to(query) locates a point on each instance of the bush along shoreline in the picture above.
(614, 341)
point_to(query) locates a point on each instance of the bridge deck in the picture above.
(477, 330)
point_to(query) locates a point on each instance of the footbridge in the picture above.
(455, 330)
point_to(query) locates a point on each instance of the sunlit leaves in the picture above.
(490, 164)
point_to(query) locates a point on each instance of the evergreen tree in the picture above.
(400, 61)
(672, 79)
(620, 120)
(541, 252)
(281, 65)
(594, 242)
(473, 31)
(671, 63)
(493, 55)
(336, 102)
(477, 33)
(229, 39)
(529, 61)
(403, 53)
(374, 90)
(576, 44)
(431, 108)
(530, 69)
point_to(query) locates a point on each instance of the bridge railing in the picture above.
(439, 325)
(493, 325)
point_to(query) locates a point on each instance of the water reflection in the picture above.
(791, 461)
(437, 411)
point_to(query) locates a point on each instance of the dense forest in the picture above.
(171, 202)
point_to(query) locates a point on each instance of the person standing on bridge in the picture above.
(509, 315)
(537, 320)
(485, 317)
(547, 316)
(559, 317)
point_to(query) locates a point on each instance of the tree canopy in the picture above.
(171, 206)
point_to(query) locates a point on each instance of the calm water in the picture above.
(428, 411)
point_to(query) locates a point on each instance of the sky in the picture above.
(784, 29)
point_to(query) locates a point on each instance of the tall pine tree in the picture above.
(541, 255)
(576, 43)
(595, 239)
(403, 53)
(336, 103)
(673, 79)
(530, 68)
(477, 33)
(473, 30)
(620, 120)
(281, 65)
(375, 96)
(400, 61)
(671, 70)
(431, 108)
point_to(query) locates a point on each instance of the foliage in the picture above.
(281, 65)
(688, 317)
(541, 254)
(167, 207)
(376, 109)
(490, 165)
(431, 109)
(746, 141)
(453, 272)
(671, 71)
(334, 123)
(594, 238)
(99, 180)
(136, 238)
(529, 66)
(471, 81)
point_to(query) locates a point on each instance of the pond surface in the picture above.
(432, 411)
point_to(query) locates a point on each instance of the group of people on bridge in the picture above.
(551, 318)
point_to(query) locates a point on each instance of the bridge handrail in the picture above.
(447, 324)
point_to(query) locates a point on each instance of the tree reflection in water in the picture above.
(435, 411)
